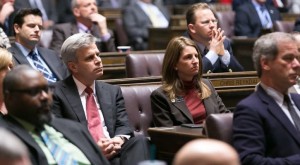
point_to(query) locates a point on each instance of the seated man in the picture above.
(88, 20)
(254, 17)
(266, 124)
(28, 97)
(206, 152)
(27, 26)
(216, 50)
(96, 105)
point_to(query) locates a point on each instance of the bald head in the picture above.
(206, 152)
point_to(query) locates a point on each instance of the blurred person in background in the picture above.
(6, 64)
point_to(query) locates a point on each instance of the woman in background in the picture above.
(6, 65)
(184, 97)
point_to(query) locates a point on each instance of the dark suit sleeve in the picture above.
(122, 123)
(250, 138)
(109, 45)
(160, 110)
(221, 107)
(234, 65)
(242, 25)
(58, 38)
(297, 25)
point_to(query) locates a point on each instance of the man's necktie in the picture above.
(93, 117)
(39, 65)
(293, 112)
(61, 156)
(265, 19)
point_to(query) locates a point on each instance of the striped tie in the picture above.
(61, 156)
(38, 64)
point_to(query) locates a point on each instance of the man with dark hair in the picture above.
(266, 124)
(216, 50)
(28, 97)
(27, 26)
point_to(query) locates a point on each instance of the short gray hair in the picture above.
(11, 147)
(73, 44)
(267, 46)
(74, 3)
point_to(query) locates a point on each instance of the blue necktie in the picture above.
(39, 65)
(61, 156)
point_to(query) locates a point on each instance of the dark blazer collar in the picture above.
(277, 112)
(179, 103)
(18, 130)
(71, 93)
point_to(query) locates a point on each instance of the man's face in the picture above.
(31, 98)
(88, 66)
(30, 32)
(205, 23)
(85, 8)
(284, 69)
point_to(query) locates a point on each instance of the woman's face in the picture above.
(4, 71)
(188, 64)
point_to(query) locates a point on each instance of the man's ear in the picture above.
(72, 67)
(76, 12)
(16, 28)
(191, 28)
(265, 63)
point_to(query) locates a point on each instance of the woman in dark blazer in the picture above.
(184, 97)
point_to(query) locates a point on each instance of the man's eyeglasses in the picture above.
(34, 91)
(207, 22)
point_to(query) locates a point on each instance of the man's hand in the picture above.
(6, 10)
(216, 43)
(101, 22)
(107, 147)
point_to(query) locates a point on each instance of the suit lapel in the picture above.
(103, 97)
(74, 29)
(18, 55)
(18, 130)
(71, 94)
(50, 61)
(277, 112)
(255, 15)
(180, 104)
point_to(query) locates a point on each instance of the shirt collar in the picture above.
(257, 5)
(82, 28)
(277, 96)
(24, 50)
(81, 87)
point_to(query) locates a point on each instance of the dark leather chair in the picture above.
(138, 106)
(226, 22)
(219, 126)
(144, 65)
(284, 26)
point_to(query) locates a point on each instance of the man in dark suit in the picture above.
(72, 101)
(27, 26)
(88, 20)
(27, 97)
(254, 17)
(137, 19)
(266, 124)
(216, 50)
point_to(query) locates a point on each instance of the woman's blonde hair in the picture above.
(172, 84)
(5, 59)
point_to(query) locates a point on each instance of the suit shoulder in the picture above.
(63, 25)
